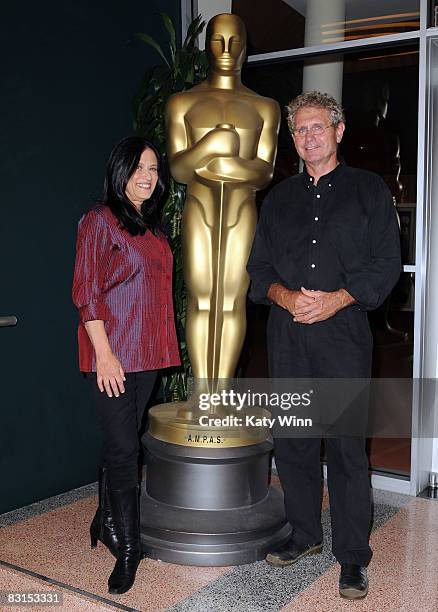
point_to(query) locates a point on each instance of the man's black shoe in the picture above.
(291, 552)
(353, 581)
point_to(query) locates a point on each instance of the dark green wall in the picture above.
(69, 71)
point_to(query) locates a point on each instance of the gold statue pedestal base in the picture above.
(207, 499)
(184, 423)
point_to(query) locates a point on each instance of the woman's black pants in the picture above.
(120, 421)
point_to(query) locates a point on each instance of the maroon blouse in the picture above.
(126, 281)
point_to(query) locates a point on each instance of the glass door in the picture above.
(379, 138)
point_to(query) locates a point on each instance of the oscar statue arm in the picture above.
(185, 159)
(256, 172)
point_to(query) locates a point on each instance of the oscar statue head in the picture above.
(225, 43)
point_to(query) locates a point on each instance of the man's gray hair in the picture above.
(318, 100)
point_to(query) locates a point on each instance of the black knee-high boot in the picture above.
(102, 527)
(125, 508)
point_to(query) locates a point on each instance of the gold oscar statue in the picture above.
(221, 140)
(207, 499)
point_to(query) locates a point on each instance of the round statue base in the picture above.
(210, 506)
(184, 423)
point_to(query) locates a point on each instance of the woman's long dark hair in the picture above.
(122, 164)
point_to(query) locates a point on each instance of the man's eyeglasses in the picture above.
(315, 129)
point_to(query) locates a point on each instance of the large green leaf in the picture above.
(171, 31)
(193, 31)
(150, 41)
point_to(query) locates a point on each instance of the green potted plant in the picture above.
(180, 69)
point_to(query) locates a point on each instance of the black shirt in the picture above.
(341, 233)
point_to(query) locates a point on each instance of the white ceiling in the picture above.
(358, 9)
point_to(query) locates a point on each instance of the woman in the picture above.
(122, 288)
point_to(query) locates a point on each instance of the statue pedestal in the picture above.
(210, 506)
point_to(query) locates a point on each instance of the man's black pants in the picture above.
(120, 421)
(340, 347)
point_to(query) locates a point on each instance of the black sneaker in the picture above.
(291, 552)
(353, 581)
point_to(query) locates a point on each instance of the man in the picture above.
(326, 250)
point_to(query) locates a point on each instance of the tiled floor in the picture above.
(45, 548)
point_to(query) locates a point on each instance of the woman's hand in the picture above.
(110, 374)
